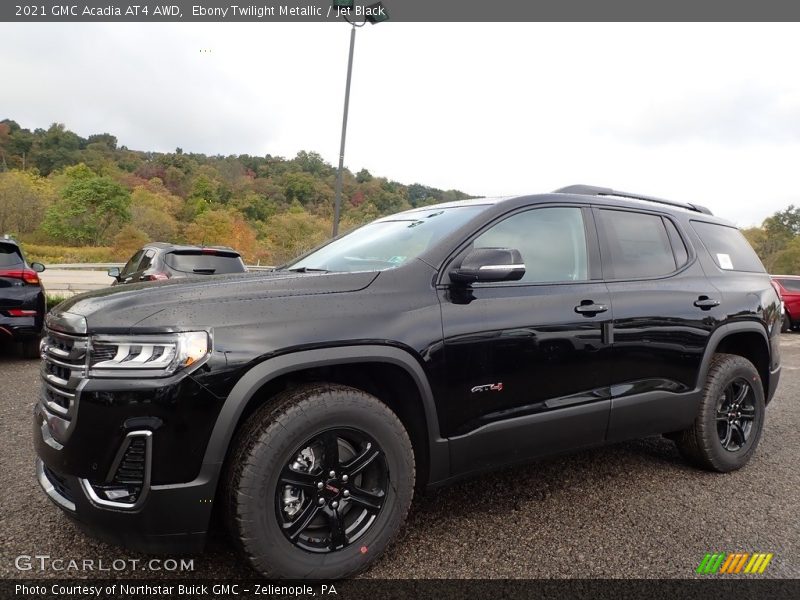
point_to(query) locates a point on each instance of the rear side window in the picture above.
(204, 264)
(637, 244)
(728, 247)
(9, 255)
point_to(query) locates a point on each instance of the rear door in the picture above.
(664, 312)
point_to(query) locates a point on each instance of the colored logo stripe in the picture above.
(734, 563)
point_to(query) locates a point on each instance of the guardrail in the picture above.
(75, 278)
(105, 266)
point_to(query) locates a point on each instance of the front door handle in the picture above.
(706, 303)
(588, 308)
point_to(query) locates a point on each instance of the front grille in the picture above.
(131, 467)
(63, 369)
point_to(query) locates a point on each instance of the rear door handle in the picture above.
(706, 303)
(588, 307)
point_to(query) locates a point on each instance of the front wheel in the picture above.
(726, 432)
(320, 482)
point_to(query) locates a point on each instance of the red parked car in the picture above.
(789, 290)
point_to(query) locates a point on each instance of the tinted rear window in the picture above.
(204, 264)
(9, 255)
(728, 247)
(792, 285)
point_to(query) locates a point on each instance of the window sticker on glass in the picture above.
(724, 261)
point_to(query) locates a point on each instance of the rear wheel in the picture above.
(727, 429)
(320, 482)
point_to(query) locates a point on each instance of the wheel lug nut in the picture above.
(320, 485)
(346, 494)
(332, 474)
(344, 478)
(321, 501)
(334, 504)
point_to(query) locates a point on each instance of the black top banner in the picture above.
(397, 10)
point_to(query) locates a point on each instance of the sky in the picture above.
(703, 113)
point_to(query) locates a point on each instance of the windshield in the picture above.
(387, 244)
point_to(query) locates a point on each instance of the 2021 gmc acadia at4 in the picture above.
(311, 401)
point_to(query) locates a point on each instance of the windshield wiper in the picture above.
(308, 270)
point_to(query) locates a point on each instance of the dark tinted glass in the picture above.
(791, 285)
(678, 245)
(146, 261)
(728, 247)
(552, 242)
(204, 264)
(10, 256)
(638, 244)
(130, 266)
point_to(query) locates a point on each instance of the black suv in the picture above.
(158, 260)
(22, 299)
(309, 402)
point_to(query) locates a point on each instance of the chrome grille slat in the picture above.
(64, 367)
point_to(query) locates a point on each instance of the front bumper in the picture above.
(124, 457)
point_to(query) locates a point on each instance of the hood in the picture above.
(119, 308)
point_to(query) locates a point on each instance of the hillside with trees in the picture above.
(74, 199)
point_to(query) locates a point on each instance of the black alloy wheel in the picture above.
(332, 491)
(736, 412)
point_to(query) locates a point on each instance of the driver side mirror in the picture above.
(114, 272)
(490, 264)
(38, 267)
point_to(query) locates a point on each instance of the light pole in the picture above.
(374, 13)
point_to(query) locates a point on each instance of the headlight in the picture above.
(146, 355)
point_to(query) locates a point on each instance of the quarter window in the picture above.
(637, 243)
(728, 247)
(552, 242)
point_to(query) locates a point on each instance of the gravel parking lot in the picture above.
(629, 510)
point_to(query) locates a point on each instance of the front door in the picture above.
(528, 362)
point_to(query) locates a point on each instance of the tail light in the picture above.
(27, 275)
(155, 277)
(18, 312)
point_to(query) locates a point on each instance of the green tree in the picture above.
(90, 209)
(24, 197)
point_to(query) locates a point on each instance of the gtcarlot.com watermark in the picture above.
(45, 562)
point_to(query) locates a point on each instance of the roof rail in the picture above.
(590, 190)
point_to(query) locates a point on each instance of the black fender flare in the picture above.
(262, 373)
(718, 335)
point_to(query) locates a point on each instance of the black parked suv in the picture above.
(22, 299)
(311, 401)
(158, 260)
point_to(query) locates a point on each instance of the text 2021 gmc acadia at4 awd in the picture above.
(309, 402)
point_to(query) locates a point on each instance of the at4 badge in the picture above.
(489, 387)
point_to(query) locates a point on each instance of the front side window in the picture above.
(130, 266)
(552, 242)
(637, 245)
(790, 285)
(387, 243)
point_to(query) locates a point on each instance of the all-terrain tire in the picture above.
(701, 443)
(270, 440)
